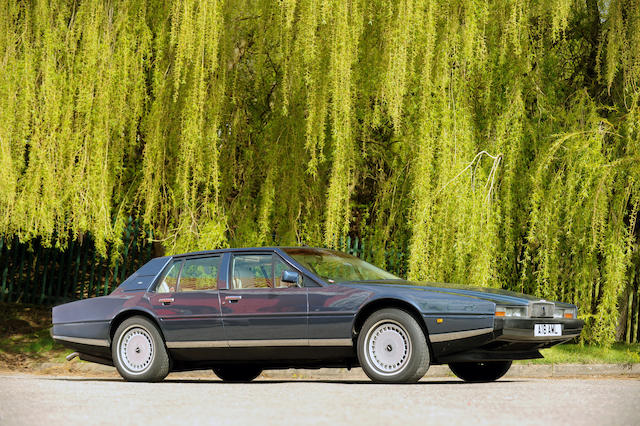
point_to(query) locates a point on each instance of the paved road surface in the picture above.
(26, 399)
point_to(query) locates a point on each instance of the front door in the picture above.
(260, 310)
(187, 303)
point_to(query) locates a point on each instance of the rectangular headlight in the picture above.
(568, 313)
(511, 311)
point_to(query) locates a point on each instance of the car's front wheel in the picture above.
(479, 372)
(138, 351)
(392, 348)
(237, 373)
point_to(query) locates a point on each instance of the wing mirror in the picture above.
(290, 277)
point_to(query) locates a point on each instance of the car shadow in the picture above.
(274, 381)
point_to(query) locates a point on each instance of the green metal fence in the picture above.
(32, 273)
(392, 259)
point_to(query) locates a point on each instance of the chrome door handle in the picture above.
(166, 300)
(232, 299)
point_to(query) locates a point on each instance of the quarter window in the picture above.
(199, 274)
(169, 281)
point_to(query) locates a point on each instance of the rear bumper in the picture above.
(89, 339)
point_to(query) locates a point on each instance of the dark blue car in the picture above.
(240, 311)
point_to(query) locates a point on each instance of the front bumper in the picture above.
(521, 329)
(510, 339)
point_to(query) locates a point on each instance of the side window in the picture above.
(169, 280)
(252, 271)
(200, 274)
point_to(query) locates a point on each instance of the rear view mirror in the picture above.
(290, 277)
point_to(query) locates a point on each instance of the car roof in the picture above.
(231, 250)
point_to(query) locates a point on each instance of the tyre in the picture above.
(139, 352)
(237, 373)
(479, 372)
(392, 348)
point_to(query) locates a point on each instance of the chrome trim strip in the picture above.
(271, 342)
(259, 343)
(330, 342)
(83, 340)
(198, 344)
(443, 337)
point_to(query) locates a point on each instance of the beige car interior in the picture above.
(248, 274)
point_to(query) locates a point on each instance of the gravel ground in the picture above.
(28, 399)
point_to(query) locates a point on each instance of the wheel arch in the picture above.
(384, 303)
(126, 314)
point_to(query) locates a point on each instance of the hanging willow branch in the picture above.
(286, 122)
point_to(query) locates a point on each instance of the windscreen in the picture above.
(334, 266)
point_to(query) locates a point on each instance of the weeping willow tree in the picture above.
(496, 143)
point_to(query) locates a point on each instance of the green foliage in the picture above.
(25, 334)
(618, 353)
(496, 143)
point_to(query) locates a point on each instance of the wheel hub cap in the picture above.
(389, 347)
(136, 350)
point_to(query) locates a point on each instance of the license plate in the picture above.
(547, 330)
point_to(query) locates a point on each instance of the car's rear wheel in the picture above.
(479, 372)
(392, 348)
(237, 373)
(138, 351)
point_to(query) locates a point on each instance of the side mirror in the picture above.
(290, 277)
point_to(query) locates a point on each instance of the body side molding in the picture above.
(443, 337)
(83, 340)
(258, 343)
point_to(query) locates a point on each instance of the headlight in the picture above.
(569, 313)
(511, 311)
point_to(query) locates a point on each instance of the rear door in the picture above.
(258, 309)
(187, 302)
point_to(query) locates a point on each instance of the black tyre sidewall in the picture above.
(160, 364)
(480, 372)
(237, 373)
(418, 363)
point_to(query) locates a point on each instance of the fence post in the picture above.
(18, 279)
(76, 270)
(93, 270)
(61, 270)
(4, 269)
(50, 288)
(34, 282)
(83, 270)
(128, 233)
(637, 316)
(115, 277)
(107, 281)
(149, 245)
(68, 278)
(364, 253)
(99, 276)
(45, 269)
